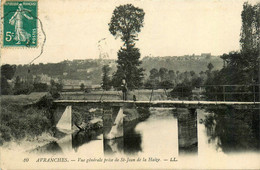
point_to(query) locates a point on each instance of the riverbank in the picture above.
(19, 122)
(26, 120)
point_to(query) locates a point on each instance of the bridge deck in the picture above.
(163, 103)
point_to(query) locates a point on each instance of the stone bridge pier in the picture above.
(187, 130)
(113, 127)
(59, 110)
(112, 123)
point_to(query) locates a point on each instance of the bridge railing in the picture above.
(244, 93)
(248, 93)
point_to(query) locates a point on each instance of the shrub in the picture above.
(5, 133)
(19, 122)
(182, 91)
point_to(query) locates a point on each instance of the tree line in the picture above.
(238, 130)
(25, 85)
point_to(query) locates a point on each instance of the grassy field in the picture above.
(116, 95)
(18, 121)
(21, 99)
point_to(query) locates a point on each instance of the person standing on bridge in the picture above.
(124, 89)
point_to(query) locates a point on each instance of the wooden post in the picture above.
(181, 91)
(199, 93)
(224, 95)
(151, 95)
(254, 92)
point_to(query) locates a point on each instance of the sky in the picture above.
(74, 28)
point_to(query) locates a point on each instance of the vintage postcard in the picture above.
(130, 84)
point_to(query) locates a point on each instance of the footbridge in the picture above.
(162, 103)
(114, 111)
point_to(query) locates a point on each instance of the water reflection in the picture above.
(129, 144)
(80, 138)
(132, 138)
(114, 146)
(187, 131)
(154, 136)
(69, 143)
(235, 130)
(220, 132)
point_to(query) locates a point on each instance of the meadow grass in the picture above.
(18, 121)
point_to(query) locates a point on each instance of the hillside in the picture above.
(90, 70)
(183, 63)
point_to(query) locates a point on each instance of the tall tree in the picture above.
(172, 76)
(126, 23)
(7, 73)
(154, 74)
(163, 73)
(243, 66)
(210, 66)
(106, 85)
(18, 83)
(250, 31)
(82, 86)
(250, 40)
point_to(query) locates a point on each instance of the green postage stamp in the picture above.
(20, 24)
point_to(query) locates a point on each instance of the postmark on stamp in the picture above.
(20, 24)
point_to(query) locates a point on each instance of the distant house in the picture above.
(42, 78)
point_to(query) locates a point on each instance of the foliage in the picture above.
(210, 66)
(128, 62)
(197, 82)
(242, 67)
(5, 86)
(166, 84)
(18, 122)
(5, 134)
(163, 74)
(55, 88)
(106, 82)
(181, 63)
(91, 69)
(182, 91)
(152, 84)
(164, 79)
(82, 86)
(7, 73)
(250, 34)
(40, 87)
(77, 118)
(238, 130)
(126, 23)
(21, 87)
(154, 74)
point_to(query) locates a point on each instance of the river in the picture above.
(157, 135)
(156, 139)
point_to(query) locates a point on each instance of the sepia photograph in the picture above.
(130, 84)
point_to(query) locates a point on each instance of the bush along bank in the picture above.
(20, 121)
(133, 113)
